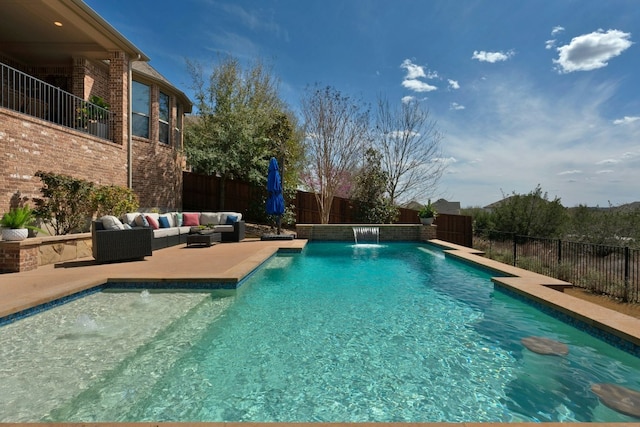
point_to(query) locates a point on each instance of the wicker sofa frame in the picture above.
(120, 245)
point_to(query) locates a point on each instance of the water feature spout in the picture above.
(368, 234)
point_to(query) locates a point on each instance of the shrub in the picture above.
(114, 200)
(66, 204)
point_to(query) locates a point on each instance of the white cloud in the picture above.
(432, 75)
(399, 134)
(608, 162)
(453, 84)
(571, 172)
(550, 44)
(413, 71)
(556, 30)
(407, 99)
(526, 136)
(456, 106)
(491, 57)
(592, 51)
(626, 120)
(445, 160)
(418, 86)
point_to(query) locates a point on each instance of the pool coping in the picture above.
(548, 292)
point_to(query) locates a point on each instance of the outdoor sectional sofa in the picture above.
(137, 234)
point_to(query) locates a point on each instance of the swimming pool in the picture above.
(392, 333)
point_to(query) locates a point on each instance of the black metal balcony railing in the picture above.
(28, 95)
(609, 270)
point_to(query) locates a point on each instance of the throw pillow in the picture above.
(152, 222)
(231, 219)
(191, 219)
(164, 222)
(207, 218)
(127, 227)
(141, 221)
(179, 219)
(110, 222)
(130, 218)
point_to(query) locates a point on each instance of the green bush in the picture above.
(114, 200)
(66, 202)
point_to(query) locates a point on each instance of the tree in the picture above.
(236, 110)
(604, 226)
(532, 214)
(370, 192)
(410, 145)
(336, 128)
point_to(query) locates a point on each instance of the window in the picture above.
(140, 111)
(163, 116)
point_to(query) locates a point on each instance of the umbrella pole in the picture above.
(278, 222)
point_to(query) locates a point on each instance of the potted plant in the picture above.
(17, 222)
(427, 214)
(92, 116)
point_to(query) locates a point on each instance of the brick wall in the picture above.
(30, 253)
(16, 257)
(28, 145)
(157, 175)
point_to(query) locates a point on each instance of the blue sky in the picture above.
(525, 92)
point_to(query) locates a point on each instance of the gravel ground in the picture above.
(605, 301)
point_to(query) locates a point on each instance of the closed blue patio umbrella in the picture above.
(275, 200)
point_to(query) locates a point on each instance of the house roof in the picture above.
(143, 68)
(29, 34)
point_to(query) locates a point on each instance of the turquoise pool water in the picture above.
(393, 333)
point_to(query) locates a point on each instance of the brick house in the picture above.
(61, 64)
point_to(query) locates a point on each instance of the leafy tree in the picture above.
(532, 214)
(237, 113)
(67, 202)
(482, 218)
(373, 205)
(410, 145)
(604, 226)
(336, 127)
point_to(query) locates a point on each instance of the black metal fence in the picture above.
(608, 270)
(25, 94)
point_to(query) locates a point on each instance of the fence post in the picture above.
(559, 251)
(626, 273)
(515, 249)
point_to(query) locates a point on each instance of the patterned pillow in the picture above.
(141, 221)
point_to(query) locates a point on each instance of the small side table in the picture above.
(203, 239)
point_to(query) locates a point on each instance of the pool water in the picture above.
(339, 333)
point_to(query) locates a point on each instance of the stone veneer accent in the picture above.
(30, 253)
(388, 232)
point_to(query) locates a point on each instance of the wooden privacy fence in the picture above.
(202, 193)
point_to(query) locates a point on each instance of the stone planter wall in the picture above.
(31, 253)
(388, 232)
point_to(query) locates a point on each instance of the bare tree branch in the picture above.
(409, 142)
(336, 127)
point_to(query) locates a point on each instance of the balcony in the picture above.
(28, 95)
